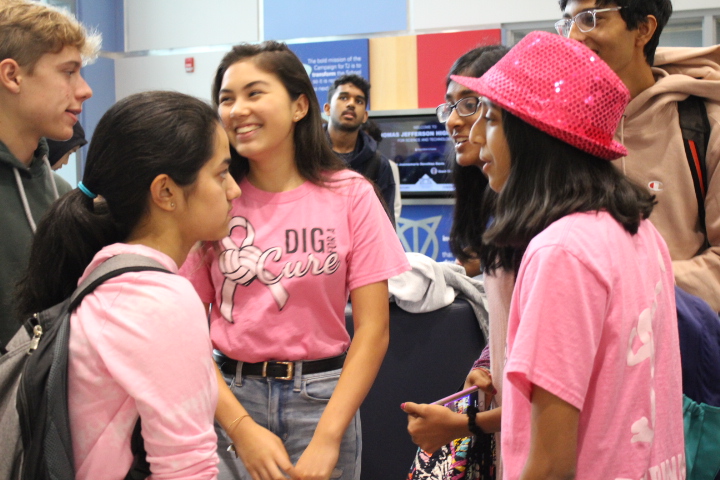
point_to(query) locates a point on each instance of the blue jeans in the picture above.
(291, 409)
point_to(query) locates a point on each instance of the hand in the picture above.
(318, 460)
(262, 452)
(481, 378)
(432, 426)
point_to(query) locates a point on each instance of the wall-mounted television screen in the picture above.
(420, 146)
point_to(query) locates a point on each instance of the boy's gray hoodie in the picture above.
(25, 195)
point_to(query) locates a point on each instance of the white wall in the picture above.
(163, 24)
(679, 5)
(166, 72)
(168, 24)
(464, 13)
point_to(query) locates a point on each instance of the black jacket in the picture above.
(368, 161)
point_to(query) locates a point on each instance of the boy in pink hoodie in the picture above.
(625, 34)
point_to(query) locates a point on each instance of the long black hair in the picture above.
(474, 199)
(313, 156)
(138, 138)
(550, 179)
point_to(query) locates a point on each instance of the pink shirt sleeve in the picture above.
(197, 269)
(376, 253)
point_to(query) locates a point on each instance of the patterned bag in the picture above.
(468, 458)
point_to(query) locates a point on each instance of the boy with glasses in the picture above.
(625, 34)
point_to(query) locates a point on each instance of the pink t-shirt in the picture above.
(593, 322)
(139, 345)
(280, 282)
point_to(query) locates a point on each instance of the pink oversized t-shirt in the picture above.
(593, 322)
(139, 345)
(280, 282)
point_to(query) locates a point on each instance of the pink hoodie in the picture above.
(657, 160)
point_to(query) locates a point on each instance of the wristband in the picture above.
(472, 411)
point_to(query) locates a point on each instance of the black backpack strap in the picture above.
(695, 128)
(113, 267)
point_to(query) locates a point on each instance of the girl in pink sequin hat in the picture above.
(560, 87)
(592, 381)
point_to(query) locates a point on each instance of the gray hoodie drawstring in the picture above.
(23, 197)
(52, 177)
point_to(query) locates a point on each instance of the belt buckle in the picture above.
(290, 370)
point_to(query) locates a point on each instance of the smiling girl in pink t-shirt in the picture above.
(306, 236)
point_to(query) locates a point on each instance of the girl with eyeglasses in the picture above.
(434, 426)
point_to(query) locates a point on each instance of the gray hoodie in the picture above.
(25, 195)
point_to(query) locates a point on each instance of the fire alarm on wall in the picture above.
(189, 64)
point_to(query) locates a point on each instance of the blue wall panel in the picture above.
(286, 19)
(107, 18)
(101, 78)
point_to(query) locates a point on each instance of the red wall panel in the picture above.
(437, 52)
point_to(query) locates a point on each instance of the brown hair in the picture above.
(313, 156)
(29, 30)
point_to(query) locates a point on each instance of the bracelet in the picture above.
(472, 411)
(236, 421)
(231, 447)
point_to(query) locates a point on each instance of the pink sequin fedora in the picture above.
(561, 87)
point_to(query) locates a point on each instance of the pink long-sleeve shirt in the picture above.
(139, 345)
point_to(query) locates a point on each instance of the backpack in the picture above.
(695, 128)
(36, 440)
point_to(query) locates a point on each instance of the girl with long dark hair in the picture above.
(432, 427)
(156, 182)
(305, 235)
(592, 380)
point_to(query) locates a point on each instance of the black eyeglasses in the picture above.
(465, 107)
(585, 21)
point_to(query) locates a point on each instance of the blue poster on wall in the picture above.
(426, 229)
(287, 19)
(326, 61)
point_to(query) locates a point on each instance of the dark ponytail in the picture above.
(138, 138)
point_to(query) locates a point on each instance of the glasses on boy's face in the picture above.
(585, 21)
(465, 107)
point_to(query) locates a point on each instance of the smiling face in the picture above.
(347, 108)
(52, 94)
(619, 47)
(489, 136)
(206, 212)
(258, 114)
(466, 153)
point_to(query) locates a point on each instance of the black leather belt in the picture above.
(278, 370)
